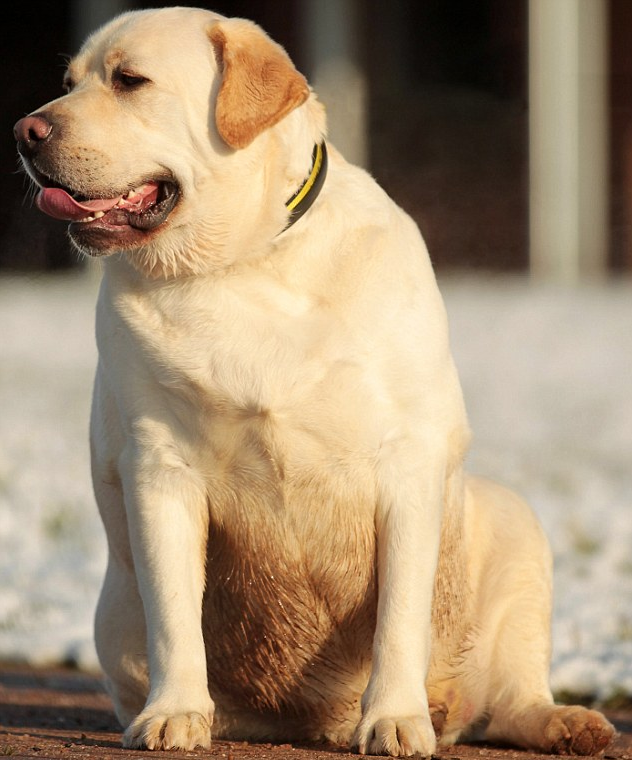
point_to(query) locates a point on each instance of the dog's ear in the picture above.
(259, 82)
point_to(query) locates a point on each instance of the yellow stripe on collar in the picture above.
(305, 196)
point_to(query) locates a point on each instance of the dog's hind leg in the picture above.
(515, 609)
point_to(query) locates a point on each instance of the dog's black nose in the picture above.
(30, 132)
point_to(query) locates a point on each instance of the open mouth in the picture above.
(144, 207)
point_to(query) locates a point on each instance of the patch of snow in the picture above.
(546, 373)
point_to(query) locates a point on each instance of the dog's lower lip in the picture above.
(121, 217)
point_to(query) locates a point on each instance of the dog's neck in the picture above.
(307, 193)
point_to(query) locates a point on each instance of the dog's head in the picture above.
(181, 135)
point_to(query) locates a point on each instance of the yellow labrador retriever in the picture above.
(278, 429)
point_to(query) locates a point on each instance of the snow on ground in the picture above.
(547, 376)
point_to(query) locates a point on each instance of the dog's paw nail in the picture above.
(184, 731)
(397, 737)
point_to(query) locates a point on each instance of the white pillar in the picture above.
(568, 139)
(331, 38)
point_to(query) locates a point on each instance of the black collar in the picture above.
(307, 193)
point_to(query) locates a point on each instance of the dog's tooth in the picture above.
(99, 214)
(133, 194)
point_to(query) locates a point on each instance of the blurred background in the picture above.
(504, 127)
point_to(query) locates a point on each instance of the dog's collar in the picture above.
(307, 193)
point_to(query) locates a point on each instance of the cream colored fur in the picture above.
(278, 433)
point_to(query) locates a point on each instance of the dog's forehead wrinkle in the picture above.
(116, 58)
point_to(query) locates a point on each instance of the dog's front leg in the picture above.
(167, 518)
(395, 716)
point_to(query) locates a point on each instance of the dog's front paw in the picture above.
(184, 731)
(399, 737)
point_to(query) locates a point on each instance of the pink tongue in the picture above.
(57, 203)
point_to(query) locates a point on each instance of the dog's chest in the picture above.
(249, 388)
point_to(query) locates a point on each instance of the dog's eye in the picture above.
(67, 84)
(126, 81)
